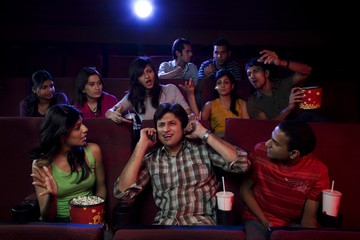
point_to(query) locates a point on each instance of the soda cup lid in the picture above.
(333, 193)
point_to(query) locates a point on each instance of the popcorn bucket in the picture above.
(87, 210)
(312, 98)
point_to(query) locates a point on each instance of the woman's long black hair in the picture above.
(137, 93)
(80, 97)
(32, 101)
(233, 95)
(59, 121)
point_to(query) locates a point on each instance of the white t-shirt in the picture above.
(169, 93)
(190, 70)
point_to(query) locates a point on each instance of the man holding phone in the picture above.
(181, 171)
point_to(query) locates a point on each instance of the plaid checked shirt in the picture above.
(184, 186)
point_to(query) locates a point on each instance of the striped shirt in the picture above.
(230, 65)
(281, 191)
(184, 186)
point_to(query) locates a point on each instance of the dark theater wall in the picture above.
(59, 30)
(244, 22)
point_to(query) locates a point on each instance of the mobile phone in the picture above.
(152, 138)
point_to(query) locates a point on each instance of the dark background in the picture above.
(318, 33)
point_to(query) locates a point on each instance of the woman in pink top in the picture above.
(89, 96)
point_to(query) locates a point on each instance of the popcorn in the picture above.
(86, 200)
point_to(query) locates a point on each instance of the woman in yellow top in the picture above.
(226, 104)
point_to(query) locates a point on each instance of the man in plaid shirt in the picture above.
(181, 170)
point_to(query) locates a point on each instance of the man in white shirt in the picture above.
(181, 66)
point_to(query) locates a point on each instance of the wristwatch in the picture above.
(206, 136)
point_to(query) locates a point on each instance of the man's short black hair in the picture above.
(254, 62)
(178, 45)
(175, 109)
(222, 42)
(300, 134)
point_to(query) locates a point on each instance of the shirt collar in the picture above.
(185, 144)
(260, 95)
(173, 64)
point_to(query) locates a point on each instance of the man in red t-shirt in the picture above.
(286, 181)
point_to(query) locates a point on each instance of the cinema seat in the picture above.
(74, 63)
(314, 234)
(118, 66)
(49, 231)
(180, 233)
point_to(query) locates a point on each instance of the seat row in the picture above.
(13, 90)
(337, 146)
(70, 65)
(79, 231)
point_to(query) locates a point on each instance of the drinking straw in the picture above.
(223, 182)
(332, 185)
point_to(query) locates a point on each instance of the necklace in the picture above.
(94, 110)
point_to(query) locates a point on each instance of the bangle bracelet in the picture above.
(206, 136)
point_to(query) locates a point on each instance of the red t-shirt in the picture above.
(281, 191)
(107, 102)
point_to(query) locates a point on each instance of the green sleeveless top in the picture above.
(68, 188)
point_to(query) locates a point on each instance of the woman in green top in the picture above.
(64, 165)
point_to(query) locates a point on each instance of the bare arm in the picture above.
(302, 70)
(294, 98)
(206, 112)
(244, 113)
(99, 170)
(130, 172)
(225, 149)
(189, 88)
(46, 191)
(172, 74)
(309, 219)
(250, 201)
(115, 114)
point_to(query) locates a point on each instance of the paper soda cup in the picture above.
(331, 202)
(224, 201)
(312, 98)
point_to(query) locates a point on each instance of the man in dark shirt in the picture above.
(274, 100)
(221, 60)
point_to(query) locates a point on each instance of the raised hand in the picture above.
(269, 57)
(46, 181)
(188, 87)
(148, 136)
(117, 117)
(194, 130)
